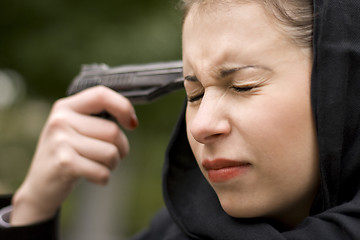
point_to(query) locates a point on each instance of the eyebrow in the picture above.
(224, 72)
(228, 71)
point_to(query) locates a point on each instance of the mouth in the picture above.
(222, 170)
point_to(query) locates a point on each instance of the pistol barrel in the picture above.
(140, 83)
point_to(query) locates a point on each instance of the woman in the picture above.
(267, 147)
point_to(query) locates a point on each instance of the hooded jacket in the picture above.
(192, 207)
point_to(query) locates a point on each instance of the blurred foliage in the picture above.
(47, 41)
(19, 127)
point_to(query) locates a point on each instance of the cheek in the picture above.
(281, 128)
(279, 118)
(281, 132)
(280, 136)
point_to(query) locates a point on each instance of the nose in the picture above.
(210, 121)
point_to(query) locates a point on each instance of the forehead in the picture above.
(229, 30)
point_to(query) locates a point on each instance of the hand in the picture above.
(73, 145)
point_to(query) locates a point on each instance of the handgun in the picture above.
(140, 83)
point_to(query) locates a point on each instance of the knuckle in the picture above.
(124, 147)
(111, 157)
(59, 104)
(112, 152)
(103, 94)
(58, 136)
(64, 163)
(101, 88)
(61, 140)
(100, 93)
(65, 158)
(102, 177)
(58, 120)
(65, 166)
(113, 132)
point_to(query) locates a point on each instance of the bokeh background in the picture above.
(42, 46)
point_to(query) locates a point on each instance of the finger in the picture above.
(97, 150)
(98, 99)
(101, 129)
(91, 170)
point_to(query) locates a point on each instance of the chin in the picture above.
(236, 213)
(236, 210)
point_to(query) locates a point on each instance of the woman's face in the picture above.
(249, 118)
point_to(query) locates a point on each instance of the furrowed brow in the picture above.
(224, 72)
(229, 71)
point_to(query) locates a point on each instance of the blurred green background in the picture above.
(42, 46)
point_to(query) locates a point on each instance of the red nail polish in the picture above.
(134, 122)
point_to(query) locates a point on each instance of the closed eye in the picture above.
(243, 89)
(195, 98)
(237, 89)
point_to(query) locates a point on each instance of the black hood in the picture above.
(193, 204)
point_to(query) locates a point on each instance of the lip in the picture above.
(222, 170)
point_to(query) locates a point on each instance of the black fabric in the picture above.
(47, 230)
(336, 101)
(162, 228)
(336, 104)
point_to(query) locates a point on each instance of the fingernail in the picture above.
(134, 121)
